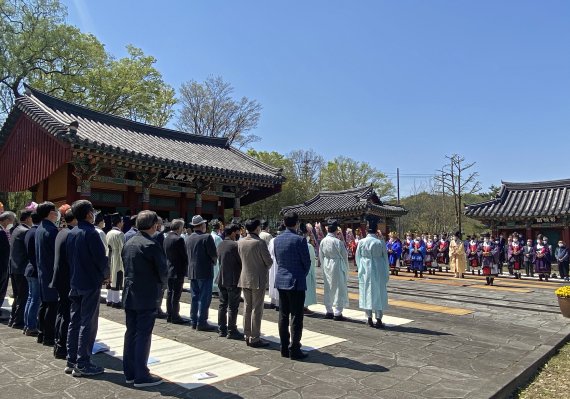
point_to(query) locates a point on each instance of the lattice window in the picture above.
(107, 197)
(162, 202)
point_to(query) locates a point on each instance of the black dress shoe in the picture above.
(379, 324)
(259, 344)
(222, 333)
(285, 353)
(206, 327)
(298, 355)
(180, 321)
(160, 315)
(370, 322)
(235, 335)
(340, 317)
(119, 305)
(328, 316)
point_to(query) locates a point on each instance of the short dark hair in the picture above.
(69, 216)
(146, 219)
(303, 228)
(215, 224)
(45, 208)
(252, 224)
(264, 224)
(372, 225)
(332, 225)
(134, 219)
(231, 228)
(81, 209)
(290, 219)
(36, 219)
(116, 218)
(25, 214)
(99, 218)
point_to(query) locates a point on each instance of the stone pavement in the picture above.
(510, 331)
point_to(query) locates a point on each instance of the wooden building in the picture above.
(63, 152)
(528, 208)
(350, 208)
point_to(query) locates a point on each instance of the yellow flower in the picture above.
(563, 292)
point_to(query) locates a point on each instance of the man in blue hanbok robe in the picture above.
(373, 274)
(417, 254)
(334, 261)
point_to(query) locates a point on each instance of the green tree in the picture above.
(209, 109)
(343, 173)
(37, 46)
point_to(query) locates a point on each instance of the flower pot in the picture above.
(564, 303)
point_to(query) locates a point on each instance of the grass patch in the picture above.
(552, 381)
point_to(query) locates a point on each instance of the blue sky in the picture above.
(394, 83)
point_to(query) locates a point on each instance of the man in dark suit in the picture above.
(89, 269)
(61, 282)
(255, 263)
(18, 263)
(146, 275)
(227, 281)
(294, 263)
(6, 222)
(177, 262)
(45, 257)
(202, 256)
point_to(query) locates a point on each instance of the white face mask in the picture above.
(161, 229)
(9, 226)
(560, 245)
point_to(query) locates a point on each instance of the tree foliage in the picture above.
(344, 173)
(38, 47)
(209, 109)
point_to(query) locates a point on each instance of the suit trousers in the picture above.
(46, 321)
(83, 325)
(563, 269)
(291, 303)
(252, 313)
(137, 343)
(20, 291)
(228, 308)
(201, 290)
(4, 277)
(173, 295)
(62, 322)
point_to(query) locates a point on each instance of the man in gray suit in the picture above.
(256, 261)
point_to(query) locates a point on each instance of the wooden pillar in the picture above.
(363, 229)
(221, 209)
(145, 198)
(45, 190)
(198, 207)
(71, 192)
(566, 234)
(237, 207)
(183, 208)
(132, 200)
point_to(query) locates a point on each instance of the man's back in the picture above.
(255, 260)
(61, 263)
(30, 242)
(18, 252)
(176, 256)
(86, 256)
(201, 256)
(145, 272)
(230, 263)
(293, 260)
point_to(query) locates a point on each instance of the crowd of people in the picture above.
(482, 254)
(58, 260)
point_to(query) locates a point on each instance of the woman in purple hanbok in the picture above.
(489, 253)
(541, 259)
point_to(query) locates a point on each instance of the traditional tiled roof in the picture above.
(160, 146)
(354, 202)
(525, 201)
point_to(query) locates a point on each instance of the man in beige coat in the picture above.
(457, 260)
(256, 261)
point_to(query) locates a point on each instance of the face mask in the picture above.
(161, 229)
(9, 226)
(538, 241)
(529, 243)
(560, 245)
